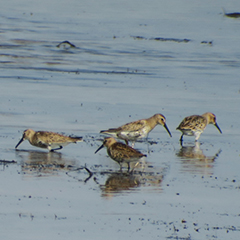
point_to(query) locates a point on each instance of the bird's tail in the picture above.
(77, 139)
(109, 131)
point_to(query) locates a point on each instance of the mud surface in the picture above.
(123, 61)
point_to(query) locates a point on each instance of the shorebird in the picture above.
(50, 140)
(139, 129)
(120, 152)
(194, 125)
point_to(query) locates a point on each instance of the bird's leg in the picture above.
(197, 136)
(52, 150)
(120, 167)
(134, 167)
(181, 139)
(128, 166)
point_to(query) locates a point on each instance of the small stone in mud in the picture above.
(231, 15)
(65, 45)
(207, 42)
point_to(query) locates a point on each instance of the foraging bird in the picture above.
(139, 129)
(120, 152)
(50, 140)
(194, 125)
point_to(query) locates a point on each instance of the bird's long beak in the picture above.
(21, 140)
(216, 125)
(165, 126)
(99, 148)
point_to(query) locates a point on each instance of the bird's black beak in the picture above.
(165, 126)
(99, 148)
(216, 125)
(21, 140)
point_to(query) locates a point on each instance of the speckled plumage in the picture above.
(50, 140)
(120, 152)
(194, 125)
(138, 129)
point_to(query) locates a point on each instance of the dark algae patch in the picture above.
(231, 15)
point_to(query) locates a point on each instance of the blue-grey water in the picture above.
(130, 60)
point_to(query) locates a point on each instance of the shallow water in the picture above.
(131, 60)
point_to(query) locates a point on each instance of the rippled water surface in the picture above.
(128, 60)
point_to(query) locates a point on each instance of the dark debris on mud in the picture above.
(2, 161)
(162, 39)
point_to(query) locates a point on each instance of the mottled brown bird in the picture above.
(50, 140)
(194, 125)
(139, 129)
(120, 152)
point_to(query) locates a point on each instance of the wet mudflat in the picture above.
(129, 61)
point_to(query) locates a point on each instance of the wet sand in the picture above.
(110, 78)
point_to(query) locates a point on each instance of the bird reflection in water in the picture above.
(119, 182)
(194, 160)
(38, 163)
